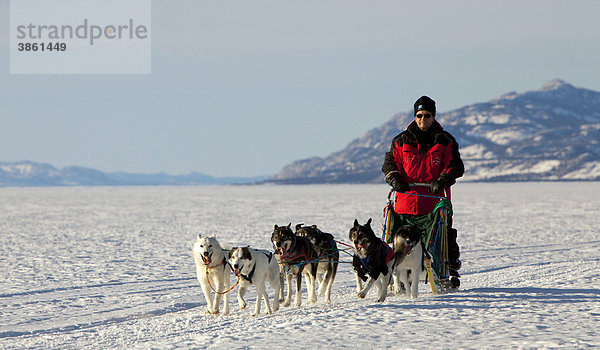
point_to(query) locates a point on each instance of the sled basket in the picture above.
(434, 235)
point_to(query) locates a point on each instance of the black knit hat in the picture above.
(425, 103)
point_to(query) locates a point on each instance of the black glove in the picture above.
(440, 184)
(394, 179)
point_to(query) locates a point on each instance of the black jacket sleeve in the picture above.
(389, 163)
(456, 168)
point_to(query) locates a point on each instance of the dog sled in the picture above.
(438, 239)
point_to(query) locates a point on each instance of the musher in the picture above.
(424, 153)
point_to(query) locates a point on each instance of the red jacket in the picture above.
(422, 157)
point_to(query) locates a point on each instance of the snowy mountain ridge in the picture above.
(549, 134)
(27, 173)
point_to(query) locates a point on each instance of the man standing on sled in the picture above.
(424, 153)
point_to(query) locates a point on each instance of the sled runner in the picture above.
(435, 229)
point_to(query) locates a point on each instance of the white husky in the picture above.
(212, 271)
(409, 260)
(254, 266)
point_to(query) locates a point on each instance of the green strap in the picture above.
(443, 203)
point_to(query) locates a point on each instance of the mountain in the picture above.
(549, 134)
(29, 173)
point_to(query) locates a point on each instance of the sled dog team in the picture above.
(311, 253)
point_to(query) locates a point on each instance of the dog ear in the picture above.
(231, 252)
(298, 226)
(289, 225)
(368, 222)
(356, 223)
(246, 253)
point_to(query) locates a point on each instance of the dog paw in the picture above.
(380, 300)
(361, 295)
(286, 303)
(242, 304)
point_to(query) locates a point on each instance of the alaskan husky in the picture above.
(212, 272)
(372, 258)
(330, 256)
(254, 267)
(295, 252)
(408, 249)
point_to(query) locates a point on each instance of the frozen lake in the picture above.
(112, 267)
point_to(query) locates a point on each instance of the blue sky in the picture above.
(242, 88)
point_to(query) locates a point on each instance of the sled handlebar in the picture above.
(418, 184)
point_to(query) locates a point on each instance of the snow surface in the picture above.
(112, 268)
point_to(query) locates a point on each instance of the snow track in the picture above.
(112, 268)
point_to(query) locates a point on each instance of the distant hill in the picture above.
(549, 134)
(29, 173)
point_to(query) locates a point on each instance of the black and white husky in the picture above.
(212, 272)
(406, 242)
(372, 258)
(328, 253)
(297, 257)
(255, 267)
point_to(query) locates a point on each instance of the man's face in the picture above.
(424, 120)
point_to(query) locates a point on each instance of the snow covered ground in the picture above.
(112, 268)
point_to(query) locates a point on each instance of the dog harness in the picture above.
(389, 251)
(289, 259)
(388, 257)
(251, 274)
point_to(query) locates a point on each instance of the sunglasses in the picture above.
(424, 115)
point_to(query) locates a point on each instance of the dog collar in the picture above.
(222, 263)
(250, 275)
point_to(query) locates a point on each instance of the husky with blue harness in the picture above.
(373, 260)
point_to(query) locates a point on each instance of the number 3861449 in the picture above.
(42, 47)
